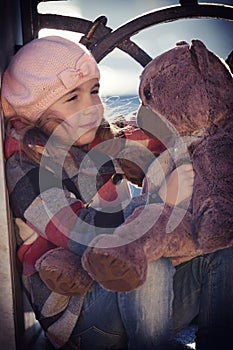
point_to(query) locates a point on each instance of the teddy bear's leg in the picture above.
(119, 261)
(62, 272)
(120, 268)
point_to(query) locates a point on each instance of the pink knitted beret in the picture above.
(43, 71)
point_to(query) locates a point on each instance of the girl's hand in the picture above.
(178, 185)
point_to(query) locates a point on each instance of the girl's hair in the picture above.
(31, 133)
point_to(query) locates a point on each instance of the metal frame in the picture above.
(101, 40)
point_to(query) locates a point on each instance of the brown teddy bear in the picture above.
(187, 96)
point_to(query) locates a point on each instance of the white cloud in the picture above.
(118, 81)
(64, 33)
(65, 8)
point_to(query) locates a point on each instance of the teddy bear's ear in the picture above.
(199, 55)
(182, 43)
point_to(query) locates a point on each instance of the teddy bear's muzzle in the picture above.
(154, 125)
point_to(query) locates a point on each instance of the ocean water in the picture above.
(125, 105)
(121, 100)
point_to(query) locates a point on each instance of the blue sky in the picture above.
(120, 73)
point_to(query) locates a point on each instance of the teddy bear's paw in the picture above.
(62, 272)
(115, 268)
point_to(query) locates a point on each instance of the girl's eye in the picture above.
(72, 98)
(95, 92)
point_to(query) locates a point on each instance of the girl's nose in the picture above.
(90, 109)
(89, 104)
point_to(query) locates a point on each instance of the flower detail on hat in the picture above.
(85, 66)
(79, 74)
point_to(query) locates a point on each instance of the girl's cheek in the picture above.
(101, 109)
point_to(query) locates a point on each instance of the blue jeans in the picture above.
(203, 290)
(140, 319)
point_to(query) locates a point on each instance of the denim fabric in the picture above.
(203, 289)
(140, 319)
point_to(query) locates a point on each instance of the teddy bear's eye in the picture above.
(147, 94)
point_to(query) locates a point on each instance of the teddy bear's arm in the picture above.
(119, 261)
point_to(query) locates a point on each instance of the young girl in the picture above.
(65, 186)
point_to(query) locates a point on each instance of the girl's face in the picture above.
(81, 110)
